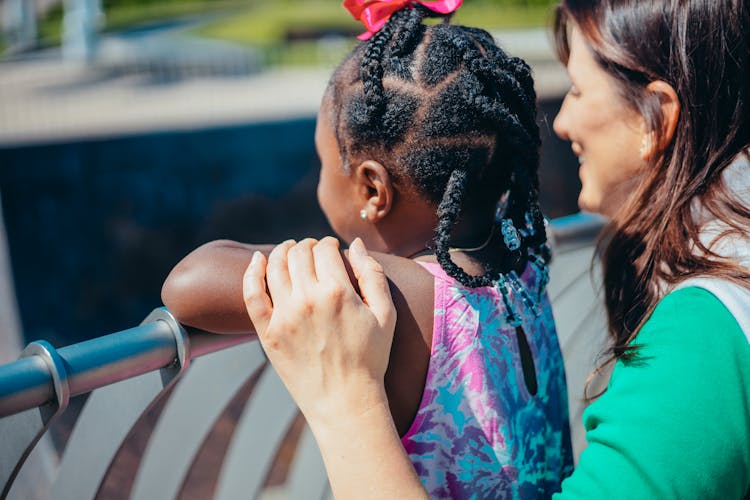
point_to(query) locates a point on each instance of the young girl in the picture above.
(422, 133)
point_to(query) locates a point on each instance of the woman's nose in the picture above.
(560, 125)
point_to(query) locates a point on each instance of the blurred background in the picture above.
(132, 131)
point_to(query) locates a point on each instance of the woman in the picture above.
(658, 116)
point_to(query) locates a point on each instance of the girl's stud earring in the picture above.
(363, 214)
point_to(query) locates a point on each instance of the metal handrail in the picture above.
(30, 381)
(576, 230)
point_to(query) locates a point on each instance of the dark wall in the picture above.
(95, 226)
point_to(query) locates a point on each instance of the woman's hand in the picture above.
(331, 346)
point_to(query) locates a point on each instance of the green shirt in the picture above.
(675, 422)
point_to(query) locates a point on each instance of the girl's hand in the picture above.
(329, 345)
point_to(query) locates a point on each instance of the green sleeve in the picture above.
(674, 423)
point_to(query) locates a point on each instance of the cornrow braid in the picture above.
(448, 212)
(407, 31)
(519, 84)
(523, 130)
(449, 113)
(371, 68)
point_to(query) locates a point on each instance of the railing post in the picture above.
(181, 338)
(110, 414)
(19, 433)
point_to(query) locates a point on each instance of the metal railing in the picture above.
(133, 368)
(45, 375)
(36, 389)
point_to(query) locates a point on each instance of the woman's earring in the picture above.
(645, 146)
(363, 214)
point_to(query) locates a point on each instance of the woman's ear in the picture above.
(670, 111)
(376, 189)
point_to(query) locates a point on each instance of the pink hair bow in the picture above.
(375, 13)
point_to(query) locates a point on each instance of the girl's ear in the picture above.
(670, 110)
(375, 186)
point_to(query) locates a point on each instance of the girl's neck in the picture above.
(453, 249)
(409, 231)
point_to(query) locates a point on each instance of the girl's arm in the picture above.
(205, 291)
(331, 348)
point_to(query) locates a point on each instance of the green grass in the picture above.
(126, 16)
(119, 17)
(50, 28)
(268, 26)
(279, 29)
(272, 24)
(496, 17)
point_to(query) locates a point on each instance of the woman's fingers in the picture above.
(277, 269)
(301, 265)
(328, 262)
(257, 301)
(322, 339)
(373, 284)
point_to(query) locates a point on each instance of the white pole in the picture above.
(81, 22)
(10, 327)
(19, 24)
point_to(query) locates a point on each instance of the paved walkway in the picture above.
(125, 91)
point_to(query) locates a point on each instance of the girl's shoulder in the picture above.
(412, 290)
(407, 276)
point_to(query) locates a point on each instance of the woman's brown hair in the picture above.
(701, 48)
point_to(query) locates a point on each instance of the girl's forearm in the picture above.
(364, 457)
(204, 290)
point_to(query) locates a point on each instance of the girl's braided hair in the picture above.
(451, 115)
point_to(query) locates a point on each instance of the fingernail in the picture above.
(255, 259)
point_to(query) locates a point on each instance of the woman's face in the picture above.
(336, 188)
(605, 134)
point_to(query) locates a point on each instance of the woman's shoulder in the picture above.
(696, 314)
(691, 332)
(688, 302)
(690, 376)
